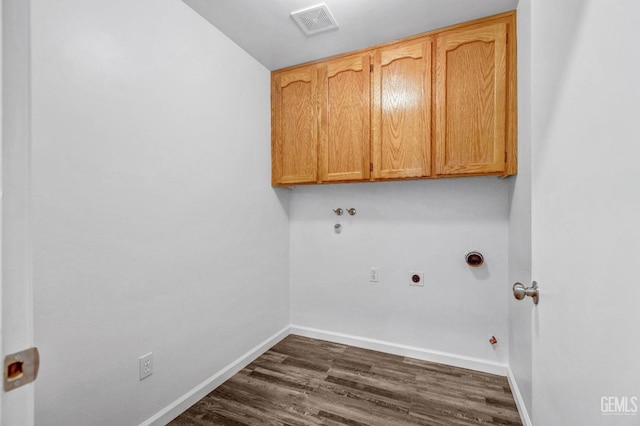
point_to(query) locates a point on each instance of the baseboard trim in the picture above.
(403, 350)
(194, 395)
(517, 396)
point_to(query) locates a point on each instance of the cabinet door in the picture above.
(471, 100)
(401, 123)
(344, 118)
(294, 126)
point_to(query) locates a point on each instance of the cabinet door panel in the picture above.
(294, 127)
(471, 100)
(344, 123)
(401, 129)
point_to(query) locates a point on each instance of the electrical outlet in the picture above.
(416, 278)
(373, 274)
(146, 365)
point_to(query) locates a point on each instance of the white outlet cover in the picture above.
(374, 274)
(416, 282)
(146, 365)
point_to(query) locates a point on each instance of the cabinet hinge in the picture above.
(370, 67)
(507, 38)
(370, 167)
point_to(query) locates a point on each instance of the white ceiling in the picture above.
(266, 31)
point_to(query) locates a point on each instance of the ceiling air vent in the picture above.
(315, 19)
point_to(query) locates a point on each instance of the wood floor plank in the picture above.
(459, 404)
(303, 381)
(357, 407)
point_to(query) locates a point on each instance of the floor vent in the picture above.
(315, 19)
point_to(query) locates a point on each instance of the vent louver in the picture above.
(315, 19)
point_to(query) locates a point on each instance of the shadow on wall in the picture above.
(284, 197)
(434, 200)
(481, 273)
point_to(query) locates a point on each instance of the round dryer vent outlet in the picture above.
(474, 259)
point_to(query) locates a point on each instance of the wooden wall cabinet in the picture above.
(345, 99)
(437, 105)
(401, 130)
(294, 126)
(474, 101)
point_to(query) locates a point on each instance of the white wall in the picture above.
(520, 222)
(585, 209)
(155, 226)
(399, 227)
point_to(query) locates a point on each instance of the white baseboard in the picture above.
(180, 405)
(517, 396)
(403, 350)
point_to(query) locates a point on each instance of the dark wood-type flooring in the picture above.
(302, 381)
